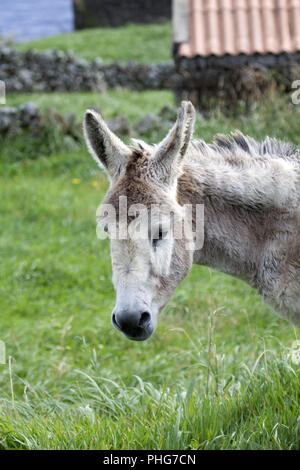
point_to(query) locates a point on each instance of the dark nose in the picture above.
(134, 324)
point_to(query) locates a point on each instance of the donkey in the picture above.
(250, 192)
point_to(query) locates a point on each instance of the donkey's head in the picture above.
(150, 250)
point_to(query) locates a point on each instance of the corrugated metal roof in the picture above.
(234, 27)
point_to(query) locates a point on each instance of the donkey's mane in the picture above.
(238, 145)
(236, 149)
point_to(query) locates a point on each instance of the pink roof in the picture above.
(242, 27)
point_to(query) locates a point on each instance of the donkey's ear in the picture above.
(174, 146)
(105, 147)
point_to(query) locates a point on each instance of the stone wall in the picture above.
(28, 117)
(93, 13)
(225, 81)
(55, 70)
(206, 82)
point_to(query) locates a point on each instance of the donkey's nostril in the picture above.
(145, 319)
(114, 320)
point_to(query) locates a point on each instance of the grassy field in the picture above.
(141, 43)
(217, 373)
(133, 105)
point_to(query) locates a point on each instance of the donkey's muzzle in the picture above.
(135, 325)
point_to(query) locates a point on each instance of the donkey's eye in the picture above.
(160, 235)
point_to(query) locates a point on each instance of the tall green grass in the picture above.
(247, 408)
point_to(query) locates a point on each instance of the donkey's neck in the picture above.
(232, 232)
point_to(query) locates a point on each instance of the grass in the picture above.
(140, 43)
(217, 373)
(134, 105)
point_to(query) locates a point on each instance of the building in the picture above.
(235, 49)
